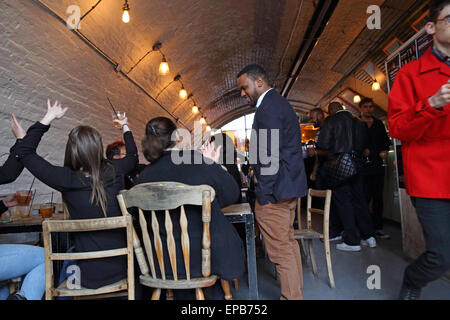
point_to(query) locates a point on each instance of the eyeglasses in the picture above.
(446, 19)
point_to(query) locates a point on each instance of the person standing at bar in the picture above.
(419, 116)
(373, 171)
(280, 175)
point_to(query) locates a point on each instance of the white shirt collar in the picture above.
(261, 97)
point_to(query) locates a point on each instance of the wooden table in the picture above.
(242, 213)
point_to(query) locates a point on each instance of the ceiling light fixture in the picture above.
(357, 98)
(177, 78)
(375, 85)
(194, 109)
(126, 14)
(183, 93)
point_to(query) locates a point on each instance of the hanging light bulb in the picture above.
(208, 128)
(357, 98)
(202, 120)
(126, 14)
(163, 67)
(194, 109)
(375, 85)
(183, 93)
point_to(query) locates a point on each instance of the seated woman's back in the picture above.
(227, 253)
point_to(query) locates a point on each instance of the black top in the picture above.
(378, 141)
(9, 171)
(76, 191)
(336, 134)
(283, 176)
(227, 252)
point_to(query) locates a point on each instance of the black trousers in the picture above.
(373, 189)
(353, 211)
(434, 216)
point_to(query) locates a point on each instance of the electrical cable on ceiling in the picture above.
(105, 56)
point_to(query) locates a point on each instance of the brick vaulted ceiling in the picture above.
(208, 41)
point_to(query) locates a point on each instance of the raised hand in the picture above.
(16, 128)
(122, 122)
(10, 201)
(53, 112)
(209, 152)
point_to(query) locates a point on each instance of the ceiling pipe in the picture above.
(321, 16)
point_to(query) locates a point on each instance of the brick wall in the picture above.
(40, 58)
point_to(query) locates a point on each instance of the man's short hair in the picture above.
(334, 107)
(436, 6)
(113, 149)
(254, 71)
(317, 110)
(364, 101)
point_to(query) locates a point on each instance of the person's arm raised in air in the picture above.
(130, 161)
(59, 178)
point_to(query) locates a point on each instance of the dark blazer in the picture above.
(227, 251)
(378, 141)
(9, 171)
(76, 191)
(289, 181)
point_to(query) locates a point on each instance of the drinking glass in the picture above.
(46, 210)
(119, 115)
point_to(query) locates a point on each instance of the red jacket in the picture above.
(423, 130)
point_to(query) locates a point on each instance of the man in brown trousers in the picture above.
(276, 157)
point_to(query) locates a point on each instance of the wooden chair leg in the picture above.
(169, 294)
(328, 258)
(199, 294)
(156, 294)
(236, 284)
(226, 289)
(313, 259)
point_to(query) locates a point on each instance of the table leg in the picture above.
(251, 257)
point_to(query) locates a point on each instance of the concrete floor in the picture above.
(350, 274)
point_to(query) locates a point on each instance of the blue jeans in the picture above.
(17, 260)
(434, 216)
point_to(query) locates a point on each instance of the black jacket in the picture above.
(76, 191)
(378, 141)
(289, 178)
(336, 134)
(227, 251)
(9, 171)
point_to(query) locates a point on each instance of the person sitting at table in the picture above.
(227, 252)
(89, 184)
(116, 151)
(18, 259)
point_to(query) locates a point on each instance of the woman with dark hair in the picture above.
(227, 157)
(89, 184)
(227, 254)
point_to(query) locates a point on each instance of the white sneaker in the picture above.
(345, 247)
(338, 238)
(370, 242)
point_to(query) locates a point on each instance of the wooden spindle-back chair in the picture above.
(159, 198)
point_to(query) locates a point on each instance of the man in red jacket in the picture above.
(419, 115)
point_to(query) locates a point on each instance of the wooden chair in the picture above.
(162, 197)
(112, 290)
(309, 233)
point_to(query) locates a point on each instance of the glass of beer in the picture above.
(118, 115)
(46, 210)
(24, 197)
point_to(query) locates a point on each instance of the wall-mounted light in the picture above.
(163, 67)
(126, 12)
(177, 78)
(183, 93)
(194, 109)
(356, 98)
(208, 128)
(375, 85)
(202, 120)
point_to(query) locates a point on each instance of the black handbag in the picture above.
(345, 166)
